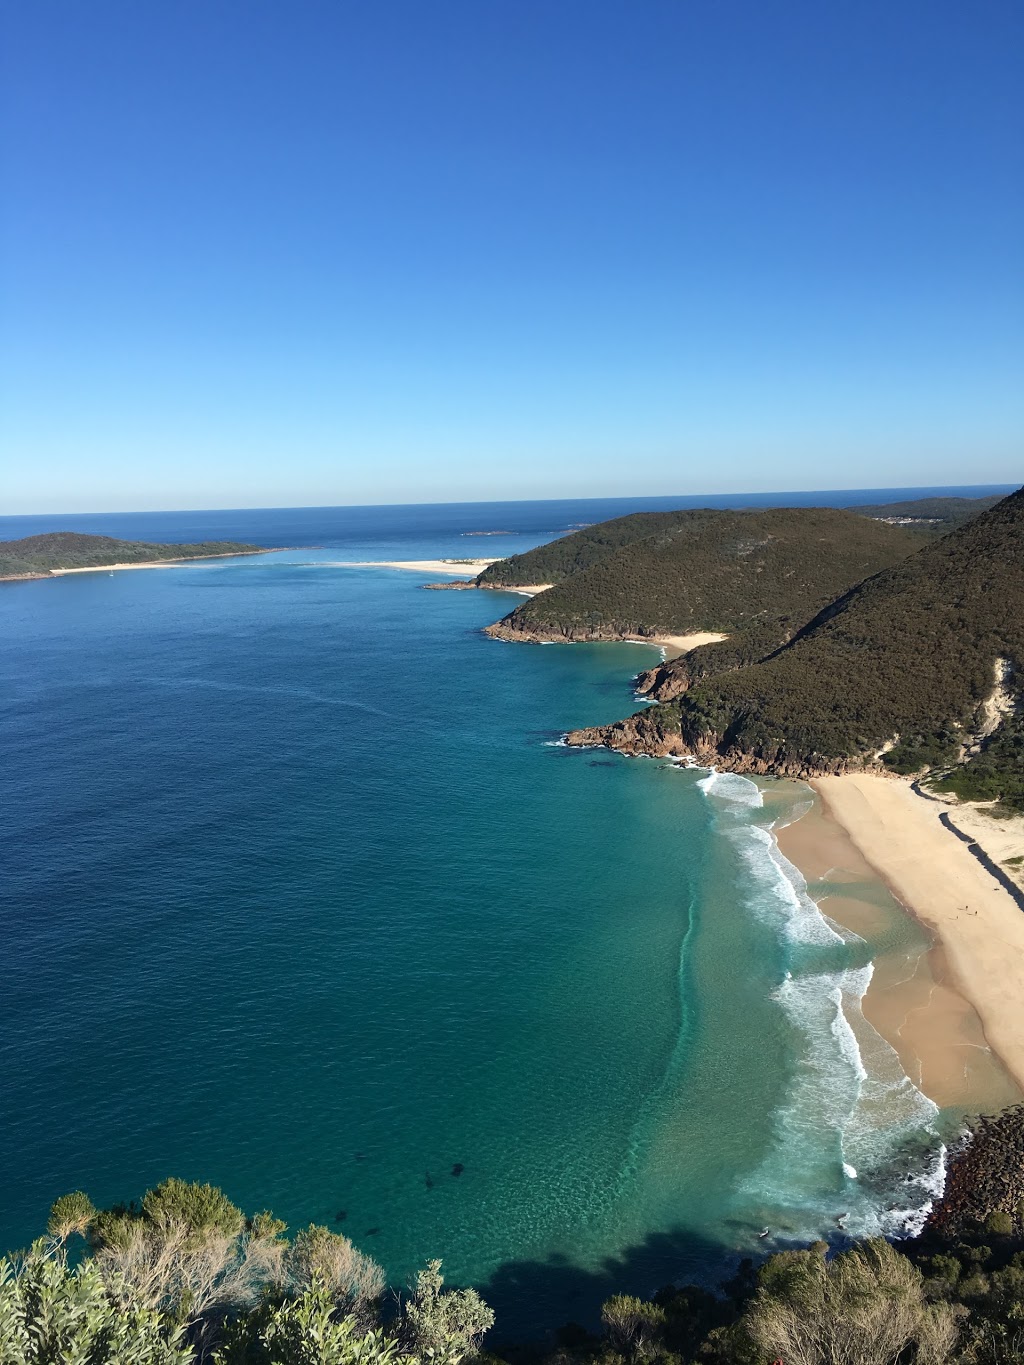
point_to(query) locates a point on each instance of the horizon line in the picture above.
(949, 490)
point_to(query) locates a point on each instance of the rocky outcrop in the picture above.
(657, 733)
(648, 732)
(985, 1176)
(456, 585)
(666, 682)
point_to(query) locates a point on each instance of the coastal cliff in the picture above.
(659, 733)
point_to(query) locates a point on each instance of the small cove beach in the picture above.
(952, 1013)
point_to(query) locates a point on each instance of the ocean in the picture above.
(303, 896)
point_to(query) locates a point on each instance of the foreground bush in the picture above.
(51, 1314)
(185, 1278)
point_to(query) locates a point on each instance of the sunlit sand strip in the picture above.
(912, 1000)
(461, 567)
(682, 644)
(934, 874)
(154, 563)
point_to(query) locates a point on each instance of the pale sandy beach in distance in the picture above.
(682, 644)
(469, 567)
(155, 563)
(967, 994)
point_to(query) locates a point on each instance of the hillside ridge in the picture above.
(919, 668)
(40, 555)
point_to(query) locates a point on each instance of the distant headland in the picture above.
(63, 552)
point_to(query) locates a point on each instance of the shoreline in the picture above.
(468, 568)
(953, 1012)
(142, 564)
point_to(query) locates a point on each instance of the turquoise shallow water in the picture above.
(302, 896)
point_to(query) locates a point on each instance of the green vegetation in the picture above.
(917, 667)
(996, 773)
(571, 554)
(909, 657)
(758, 575)
(185, 1278)
(35, 555)
(931, 515)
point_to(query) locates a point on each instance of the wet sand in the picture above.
(916, 1000)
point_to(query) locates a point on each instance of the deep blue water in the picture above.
(301, 896)
(405, 526)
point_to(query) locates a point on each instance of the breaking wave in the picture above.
(854, 1147)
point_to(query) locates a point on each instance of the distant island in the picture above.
(60, 552)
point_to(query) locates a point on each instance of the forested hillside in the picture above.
(903, 670)
(570, 554)
(756, 576)
(37, 555)
(931, 515)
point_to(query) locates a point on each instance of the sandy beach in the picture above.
(956, 1014)
(153, 563)
(524, 589)
(468, 567)
(675, 645)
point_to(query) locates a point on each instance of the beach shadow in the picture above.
(532, 1300)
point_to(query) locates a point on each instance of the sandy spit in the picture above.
(144, 564)
(978, 924)
(459, 567)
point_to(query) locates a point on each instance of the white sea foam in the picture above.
(731, 788)
(849, 1112)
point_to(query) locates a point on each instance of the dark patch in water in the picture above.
(602, 763)
(360, 1156)
(429, 1181)
(341, 1215)
(371, 1232)
(458, 1168)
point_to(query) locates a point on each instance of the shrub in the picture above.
(866, 1307)
(71, 1213)
(444, 1325)
(52, 1315)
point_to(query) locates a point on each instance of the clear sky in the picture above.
(298, 252)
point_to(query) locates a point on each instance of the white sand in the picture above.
(1002, 840)
(467, 568)
(934, 874)
(682, 644)
(109, 568)
(154, 563)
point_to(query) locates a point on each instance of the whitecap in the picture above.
(849, 1112)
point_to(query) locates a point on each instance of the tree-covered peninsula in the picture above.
(39, 556)
(917, 668)
(756, 576)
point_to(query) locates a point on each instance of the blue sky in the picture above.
(322, 252)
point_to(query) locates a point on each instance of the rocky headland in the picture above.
(985, 1178)
(659, 733)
